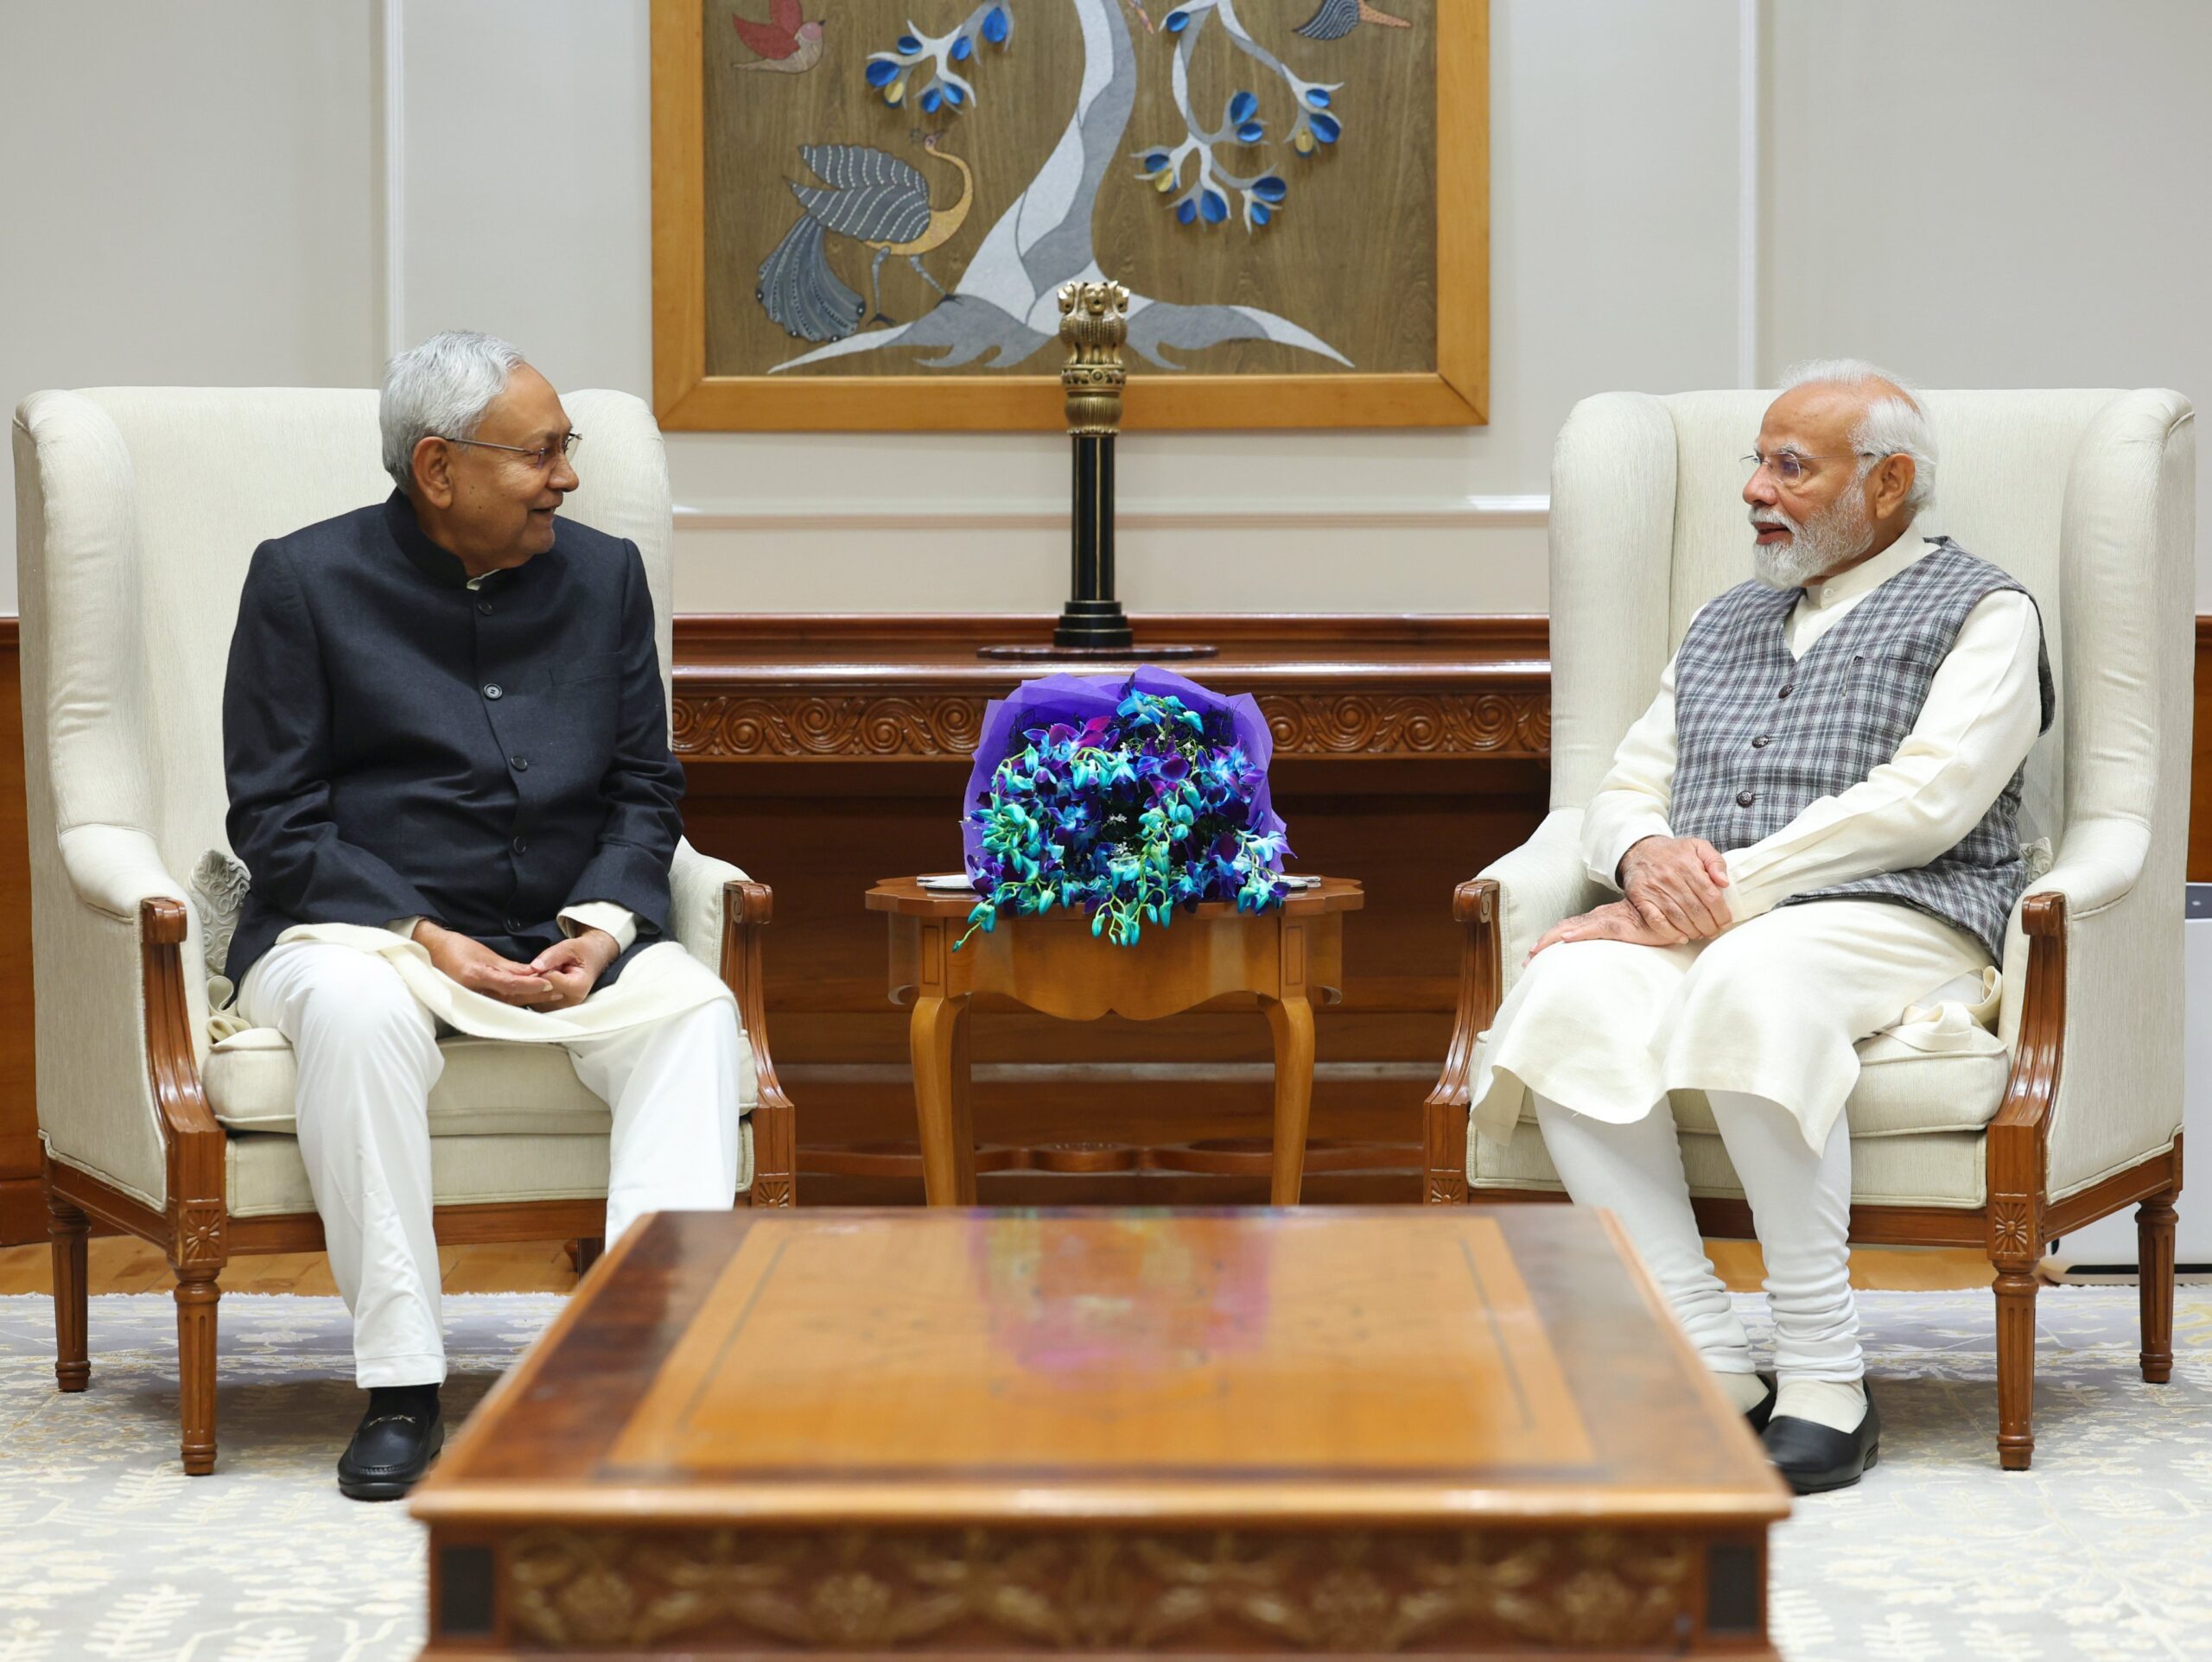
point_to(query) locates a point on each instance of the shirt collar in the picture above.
(433, 563)
(1868, 574)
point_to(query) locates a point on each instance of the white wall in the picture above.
(1982, 192)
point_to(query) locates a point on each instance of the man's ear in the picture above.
(432, 466)
(1893, 480)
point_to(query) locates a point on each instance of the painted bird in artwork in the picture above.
(786, 44)
(873, 200)
(1338, 18)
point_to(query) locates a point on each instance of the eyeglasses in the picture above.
(540, 458)
(1789, 466)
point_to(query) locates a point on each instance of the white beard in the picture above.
(1820, 544)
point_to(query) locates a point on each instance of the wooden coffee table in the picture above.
(1339, 1432)
(1283, 961)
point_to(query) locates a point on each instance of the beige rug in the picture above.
(107, 1551)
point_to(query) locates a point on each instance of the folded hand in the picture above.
(574, 966)
(1676, 883)
(477, 967)
(1615, 920)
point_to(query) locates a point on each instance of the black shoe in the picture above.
(1816, 1458)
(1762, 1411)
(391, 1449)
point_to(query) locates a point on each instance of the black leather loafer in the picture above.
(1816, 1458)
(1761, 1411)
(390, 1450)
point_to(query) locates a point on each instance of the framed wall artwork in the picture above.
(863, 210)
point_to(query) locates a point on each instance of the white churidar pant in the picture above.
(1800, 1207)
(367, 1056)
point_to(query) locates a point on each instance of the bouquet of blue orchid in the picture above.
(1125, 798)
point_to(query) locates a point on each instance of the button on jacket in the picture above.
(400, 745)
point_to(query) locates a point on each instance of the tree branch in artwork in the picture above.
(894, 73)
(1004, 310)
(1206, 200)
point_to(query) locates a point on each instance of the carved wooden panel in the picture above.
(855, 1590)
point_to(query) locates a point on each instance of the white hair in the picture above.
(440, 389)
(1890, 426)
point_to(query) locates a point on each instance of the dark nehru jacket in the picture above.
(399, 744)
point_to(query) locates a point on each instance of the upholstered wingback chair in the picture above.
(2088, 498)
(137, 510)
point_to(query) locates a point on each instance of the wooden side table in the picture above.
(1283, 961)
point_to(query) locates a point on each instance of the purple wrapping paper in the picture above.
(1074, 699)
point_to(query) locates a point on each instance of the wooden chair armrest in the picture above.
(2020, 1134)
(1475, 908)
(196, 1142)
(747, 907)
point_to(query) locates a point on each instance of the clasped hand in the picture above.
(1671, 890)
(562, 975)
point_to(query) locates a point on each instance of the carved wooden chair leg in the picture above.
(196, 1297)
(66, 1227)
(2154, 1246)
(584, 1252)
(2015, 1365)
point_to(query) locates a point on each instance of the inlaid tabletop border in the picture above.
(1667, 1447)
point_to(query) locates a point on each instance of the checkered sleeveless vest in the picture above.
(1761, 736)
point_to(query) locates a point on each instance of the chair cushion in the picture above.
(267, 1179)
(1902, 1092)
(1940, 1168)
(489, 1088)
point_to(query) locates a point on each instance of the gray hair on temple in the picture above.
(1892, 427)
(440, 389)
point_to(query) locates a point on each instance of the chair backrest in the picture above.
(2086, 497)
(152, 500)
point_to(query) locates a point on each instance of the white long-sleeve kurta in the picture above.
(1608, 1028)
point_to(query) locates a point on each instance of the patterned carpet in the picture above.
(108, 1552)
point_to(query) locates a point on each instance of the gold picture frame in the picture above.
(689, 395)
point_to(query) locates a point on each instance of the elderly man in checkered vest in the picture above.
(1814, 832)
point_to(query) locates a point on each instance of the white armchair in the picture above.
(2088, 497)
(137, 510)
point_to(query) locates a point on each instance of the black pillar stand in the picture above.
(1092, 623)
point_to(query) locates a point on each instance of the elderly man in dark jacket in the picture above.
(450, 782)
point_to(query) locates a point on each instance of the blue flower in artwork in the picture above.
(1214, 206)
(997, 26)
(1251, 132)
(1317, 98)
(953, 95)
(1258, 214)
(1270, 188)
(1155, 160)
(1177, 21)
(1187, 213)
(1327, 129)
(1243, 106)
(909, 45)
(962, 50)
(932, 99)
(881, 71)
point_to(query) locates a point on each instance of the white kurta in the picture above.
(1773, 1007)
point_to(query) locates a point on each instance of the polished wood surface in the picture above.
(1455, 289)
(2017, 1221)
(703, 1446)
(833, 750)
(1285, 960)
